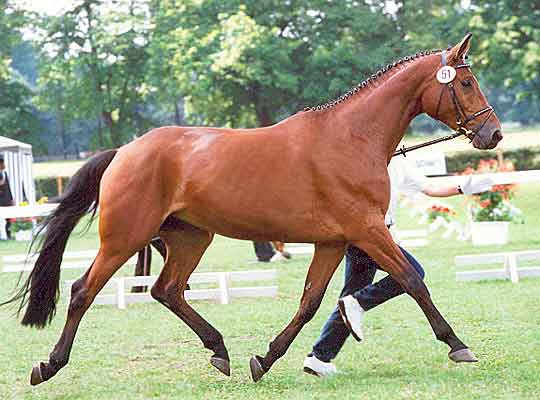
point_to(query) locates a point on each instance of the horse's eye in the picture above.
(466, 82)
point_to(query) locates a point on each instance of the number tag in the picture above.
(446, 74)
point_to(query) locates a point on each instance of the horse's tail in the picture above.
(41, 290)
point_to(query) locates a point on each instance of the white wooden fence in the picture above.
(405, 238)
(509, 260)
(410, 238)
(224, 293)
(71, 260)
(500, 178)
(300, 248)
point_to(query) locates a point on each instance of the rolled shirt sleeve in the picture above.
(413, 182)
(405, 179)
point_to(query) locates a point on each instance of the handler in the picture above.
(359, 293)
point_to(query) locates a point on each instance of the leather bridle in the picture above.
(462, 119)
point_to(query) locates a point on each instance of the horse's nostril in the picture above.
(497, 135)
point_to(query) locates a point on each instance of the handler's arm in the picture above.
(468, 186)
(441, 191)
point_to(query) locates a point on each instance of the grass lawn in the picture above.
(145, 352)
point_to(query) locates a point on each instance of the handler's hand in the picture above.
(474, 185)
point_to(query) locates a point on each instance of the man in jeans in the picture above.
(359, 293)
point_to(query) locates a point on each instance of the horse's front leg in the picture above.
(381, 247)
(325, 261)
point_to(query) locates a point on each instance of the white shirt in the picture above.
(404, 180)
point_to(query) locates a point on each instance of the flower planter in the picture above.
(23, 236)
(489, 233)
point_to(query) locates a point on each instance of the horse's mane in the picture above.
(373, 77)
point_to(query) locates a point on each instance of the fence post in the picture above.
(511, 268)
(120, 294)
(224, 285)
(59, 185)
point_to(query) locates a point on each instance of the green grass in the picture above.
(145, 352)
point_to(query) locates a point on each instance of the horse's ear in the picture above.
(460, 50)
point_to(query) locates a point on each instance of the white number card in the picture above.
(446, 74)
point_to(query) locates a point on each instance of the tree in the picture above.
(505, 53)
(509, 48)
(16, 117)
(95, 58)
(250, 62)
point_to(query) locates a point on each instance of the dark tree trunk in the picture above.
(177, 116)
(263, 116)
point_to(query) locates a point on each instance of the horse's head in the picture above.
(453, 97)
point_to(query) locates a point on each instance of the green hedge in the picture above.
(523, 159)
(48, 187)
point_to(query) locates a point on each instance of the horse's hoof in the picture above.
(463, 355)
(257, 370)
(222, 365)
(35, 376)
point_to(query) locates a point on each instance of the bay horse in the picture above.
(329, 178)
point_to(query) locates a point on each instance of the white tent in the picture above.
(18, 160)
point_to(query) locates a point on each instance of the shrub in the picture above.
(494, 205)
(440, 210)
(48, 187)
(522, 159)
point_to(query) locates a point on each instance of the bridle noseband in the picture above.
(462, 119)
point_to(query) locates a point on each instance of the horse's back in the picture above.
(227, 181)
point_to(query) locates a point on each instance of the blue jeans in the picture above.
(360, 271)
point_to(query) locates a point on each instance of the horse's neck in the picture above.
(379, 117)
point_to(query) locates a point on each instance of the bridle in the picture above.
(462, 119)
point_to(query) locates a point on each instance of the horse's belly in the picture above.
(282, 226)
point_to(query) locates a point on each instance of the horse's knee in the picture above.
(419, 269)
(415, 286)
(309, 309)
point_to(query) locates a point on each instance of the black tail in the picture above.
(43, 283)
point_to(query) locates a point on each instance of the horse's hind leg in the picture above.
(185, 247)
(83, 292)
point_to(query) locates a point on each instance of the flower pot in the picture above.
(23, 236)
(489, 233)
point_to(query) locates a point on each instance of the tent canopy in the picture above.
(8, 144)
(18, 159)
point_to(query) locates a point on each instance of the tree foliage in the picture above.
(509, 50)
(95, 66)
(249, 62)
(16, 118)
(111, 69)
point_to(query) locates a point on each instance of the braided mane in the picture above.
(370, 79)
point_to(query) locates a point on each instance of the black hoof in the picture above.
(222, 365)
(35, 376)
(463, 355)
(257, 370)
